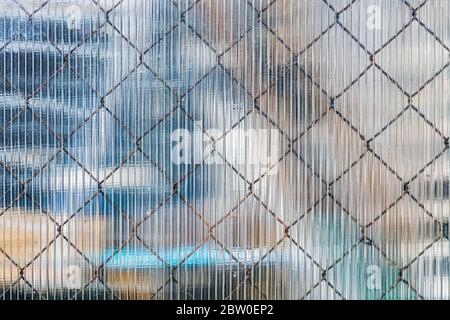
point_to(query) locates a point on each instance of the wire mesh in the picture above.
(212, 149)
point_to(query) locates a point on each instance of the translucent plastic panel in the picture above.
(224, 149)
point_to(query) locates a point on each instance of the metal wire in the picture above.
(212, 149)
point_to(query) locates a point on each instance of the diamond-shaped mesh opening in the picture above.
(218, 102)
(246, 66)
(293, 101)
(213, 189)
(395, 230)
(368, 174)
(220, 23)
(181, 58)
(156, 17)
(288, 18)
(254, 147)
(400, 61)
(328, 241)
(372, 103)
(293, 202)
(408, 154)
(250, 231)
(141, 88)
(337, 50)
(330, 147)
(382, 22)
(353, 275)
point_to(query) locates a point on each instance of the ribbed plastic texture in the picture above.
(224, 149)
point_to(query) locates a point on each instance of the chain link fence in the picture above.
(209, 149)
